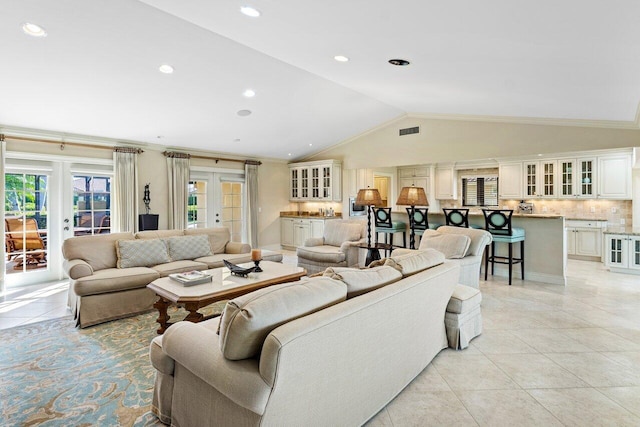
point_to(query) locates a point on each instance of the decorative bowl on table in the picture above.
(236, 270)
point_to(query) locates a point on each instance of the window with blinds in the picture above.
(480, 191)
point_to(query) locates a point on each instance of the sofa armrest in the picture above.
(76, 268)
(237, 248)
(402, 251)
(314, 241)
(344, 247)
(197, 348)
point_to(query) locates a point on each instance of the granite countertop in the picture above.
(623, 229)
(515, 215)
(305, 214)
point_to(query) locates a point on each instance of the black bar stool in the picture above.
(420, 221)
(382, 217)
(457, 217)
(498, 223)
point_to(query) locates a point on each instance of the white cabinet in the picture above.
(614, 177)
(286, 231)
(315, 181)
(540, 179)
(446, 183)
(294, 231)
(413, 171)
(510, 184)
(622, 253)
(417, 176)
(584, 238)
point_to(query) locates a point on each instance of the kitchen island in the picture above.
(545, 244)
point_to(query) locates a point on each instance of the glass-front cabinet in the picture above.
(577, 177)
(540, 179)
(623, 252)
(315, 181)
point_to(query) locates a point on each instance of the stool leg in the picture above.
(486, 261)
(404, 239)
(493, 255)
(522, 257)
(510, 261)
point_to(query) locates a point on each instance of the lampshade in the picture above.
(412, 196)
(369, 197)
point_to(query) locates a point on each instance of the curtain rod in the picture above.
(217, 159)
(62, 144)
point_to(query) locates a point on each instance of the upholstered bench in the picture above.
(463, 319)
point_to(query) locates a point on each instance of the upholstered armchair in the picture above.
(338, 247)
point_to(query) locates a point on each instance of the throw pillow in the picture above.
(141, 253)
(248, 319)
(416, 261)
(362, 281)
(453, 246)
(188, 247)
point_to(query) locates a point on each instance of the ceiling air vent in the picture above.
(409, 131)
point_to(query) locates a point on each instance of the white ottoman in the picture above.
(463, 319)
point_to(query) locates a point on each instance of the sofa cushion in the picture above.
(98, 251)
(188, 247)
(158, 234)
(416, 261)
(453, 246)
(218, 237)
(114, 280)
(338, 231)
(362, 281)
(464, 299)
(247, 320)
(181, 266)
(327, 254)
(141, 253)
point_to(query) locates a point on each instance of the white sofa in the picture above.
(101, 289)
(338, 366)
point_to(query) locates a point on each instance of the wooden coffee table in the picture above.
(223, 286)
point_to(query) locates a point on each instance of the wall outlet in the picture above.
(614, 209)
(593, 209)
(544, 209)
(622, 221)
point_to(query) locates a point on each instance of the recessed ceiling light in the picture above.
(250, 11)
(249, 93)
(289, 154)
(341, 58)
(310, 145)
(33, 30)
(399, 62)
(244, 113)
(159, 136)
(165, 68)
(236, 140)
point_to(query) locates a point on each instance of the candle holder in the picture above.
(257, 268)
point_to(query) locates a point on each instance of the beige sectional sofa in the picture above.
(336, 364)
(109, 272)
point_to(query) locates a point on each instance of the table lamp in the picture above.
(412, 196)
(368, 197)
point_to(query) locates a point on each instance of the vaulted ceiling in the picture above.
(96, 71)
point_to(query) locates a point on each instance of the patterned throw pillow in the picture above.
(188, 247)
(141, 253)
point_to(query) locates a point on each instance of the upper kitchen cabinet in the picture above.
(446, 182)
(510, 184)
(315, 181)
(540, 179)
(614, 177)
(417, 176)
(577, 178)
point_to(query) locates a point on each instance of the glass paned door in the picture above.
(26, 222)
(197, 204)
(233, 208)
(91, 204)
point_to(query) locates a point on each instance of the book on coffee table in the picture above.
(191, 277)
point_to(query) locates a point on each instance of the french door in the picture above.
(217, 200)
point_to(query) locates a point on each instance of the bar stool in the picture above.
(420, 221)
(457, 217)
(498, 223)
(382, 217)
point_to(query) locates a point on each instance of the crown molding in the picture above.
(607, 124)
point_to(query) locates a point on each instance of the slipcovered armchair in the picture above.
(338, 247)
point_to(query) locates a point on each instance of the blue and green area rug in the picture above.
(53, 374)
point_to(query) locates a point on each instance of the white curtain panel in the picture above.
(2, 247)
(251, 181)
(178, 174)
(124, 211)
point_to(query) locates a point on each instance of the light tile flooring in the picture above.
(549, 355)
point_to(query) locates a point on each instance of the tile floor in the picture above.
(549, 355)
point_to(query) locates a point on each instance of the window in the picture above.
(232, 208)
(197, 204)
(91, 204)
(480, 191)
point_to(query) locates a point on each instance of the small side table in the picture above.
(373, 251)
